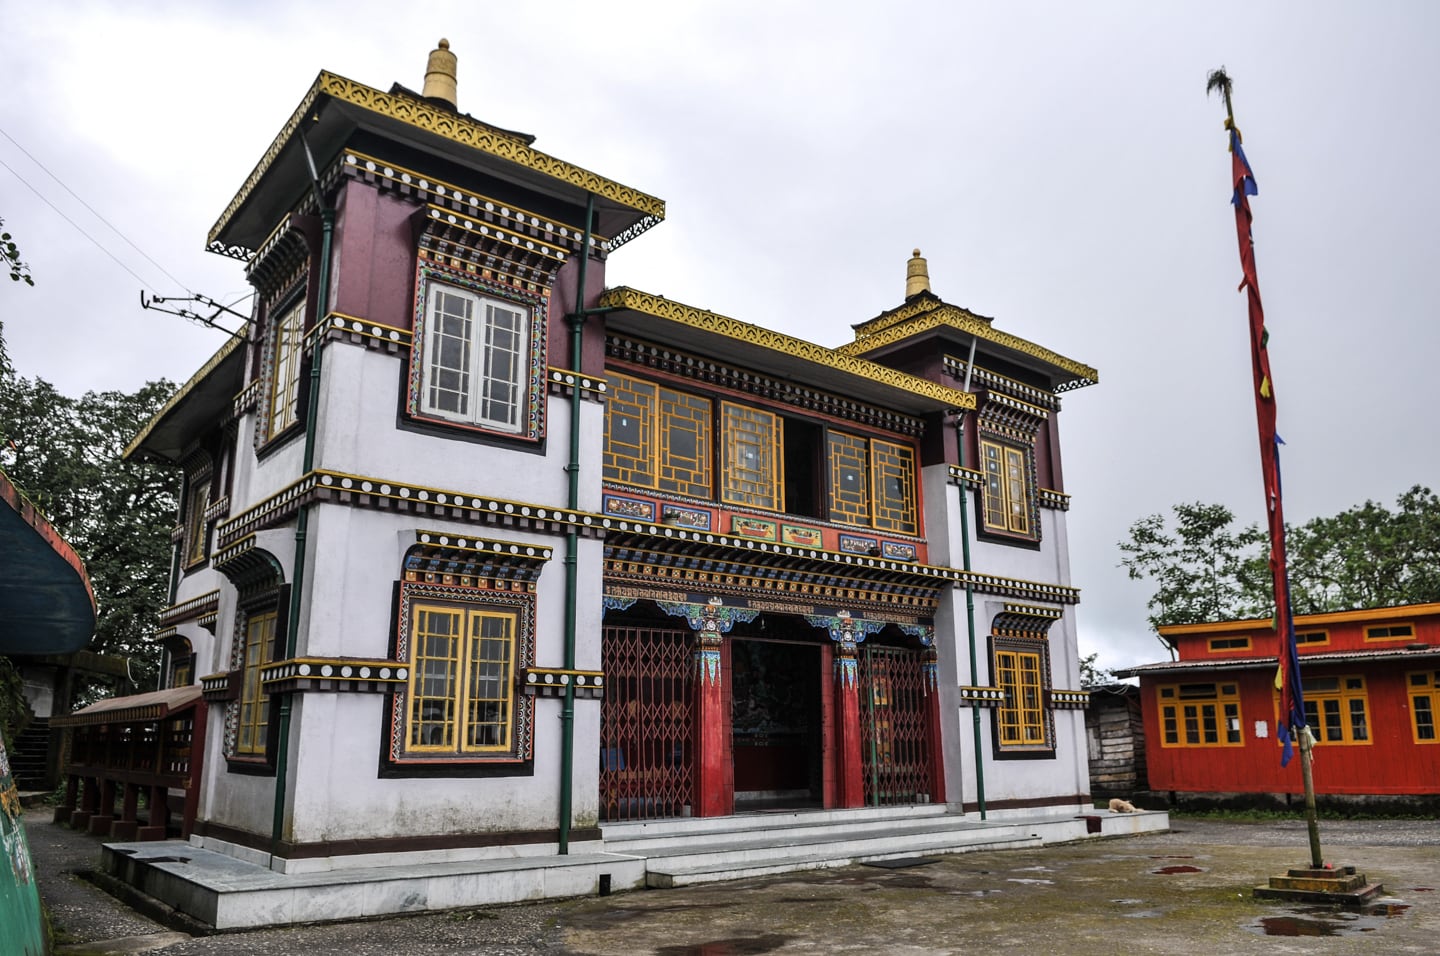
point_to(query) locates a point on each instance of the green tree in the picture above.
(1204, 569)
(65, 454)
(10, 256)
(1092, 674)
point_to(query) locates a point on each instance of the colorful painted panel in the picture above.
(896, 551)
(629, 508)
(858, 544)
(752, 528)
(696, 518)
(804, 537)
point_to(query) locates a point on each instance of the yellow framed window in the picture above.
(754, 469)
(629, 456)
(1007, 488)
(195, 538)
(849, 487)
(1021, 718)
(1335, 709)
(254, 702)
(285, 373)
(1390, 632)
(892, 487)
(1424, 688)
(1200, 715)
(684, 444)
(1230, 643)
(1312, 637)
(462, 680)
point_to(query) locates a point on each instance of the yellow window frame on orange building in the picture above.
(1200, 714)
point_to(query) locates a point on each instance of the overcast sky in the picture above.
(1059, 164)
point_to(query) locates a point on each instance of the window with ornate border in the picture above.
(1008, 498)
(892, 487)
(1390, 632)
(253, 720)
(1200, 715)
(753, 464)
(196, 528)
(286, 352)
(1023, 722)
(656, 437)
(849, 478)
(478, 361)
(1424, 689)
(465, 647)
(1336, 709)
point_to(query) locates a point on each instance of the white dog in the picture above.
(1121, 806)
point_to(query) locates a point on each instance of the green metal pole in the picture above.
(970, 595)
(302, 527)
(572, 543)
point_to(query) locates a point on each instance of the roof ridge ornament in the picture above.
(440, 76)
(917, 275)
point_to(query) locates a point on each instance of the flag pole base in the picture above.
(1337, 886)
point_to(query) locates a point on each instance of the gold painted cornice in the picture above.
(948, 316)
(451, 126)
(660, 307)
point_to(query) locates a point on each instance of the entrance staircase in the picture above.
(29, 753)
(679, 852)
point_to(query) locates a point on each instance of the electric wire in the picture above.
(78, 227)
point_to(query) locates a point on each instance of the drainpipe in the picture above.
(572, 543)
(302, 519)
(970, 591)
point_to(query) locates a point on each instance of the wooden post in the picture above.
(714, 783)
(849, 767)
(929, 682)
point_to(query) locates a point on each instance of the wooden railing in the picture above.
(152, 743)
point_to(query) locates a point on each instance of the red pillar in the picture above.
(930, 683)
(849, 771)
(714, 783)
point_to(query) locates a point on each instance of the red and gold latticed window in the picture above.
(849, 484)
(754, 472)
(656, 437)
(892, 487)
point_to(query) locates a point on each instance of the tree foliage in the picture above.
(1092, 674)
(10, 256)
(1203, 568)
(65, 455)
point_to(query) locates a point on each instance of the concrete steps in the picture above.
(683, 852)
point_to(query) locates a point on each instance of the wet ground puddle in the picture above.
(1324, 921)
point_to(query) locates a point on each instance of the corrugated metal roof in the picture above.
(1257, 663)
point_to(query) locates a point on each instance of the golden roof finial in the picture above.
(440, 76)
(917, 275)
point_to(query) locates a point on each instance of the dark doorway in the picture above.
(775, 713)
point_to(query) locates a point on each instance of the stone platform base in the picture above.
(1339, 886)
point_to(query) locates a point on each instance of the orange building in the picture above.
(1372, 691)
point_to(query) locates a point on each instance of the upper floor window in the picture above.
(754, 474)
(476, 358)
(656, 437)
(1200, 715)
(849, 479)
(1312, 637)
(285, 369)
(196, 536)
(1007, 499)
(1389, 632)
(892, 470)
(1229, 643)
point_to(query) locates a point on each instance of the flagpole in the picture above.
(1292, 721)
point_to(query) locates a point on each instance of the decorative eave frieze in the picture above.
(715, 324)
(1026, 620)
(982, 696)
(333, 674)
(440, 122)
(1069, 699)
(190, 610)
(710, 372)
(563, 382)
(948, 316)
(974, 479)
(997, 383)
(552, 681)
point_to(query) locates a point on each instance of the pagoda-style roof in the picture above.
(334, 109)
(666, 322)
(46, 603)
(926, 314)
(198, 405)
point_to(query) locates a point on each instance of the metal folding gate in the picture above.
(646, 722)
(895, 741)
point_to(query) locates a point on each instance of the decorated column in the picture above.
(714, 766)
(930, 683)
(849, 768)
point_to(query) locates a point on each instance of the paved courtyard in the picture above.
(1182, 892)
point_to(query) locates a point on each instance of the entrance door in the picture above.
(895, 739)
(775, 716)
